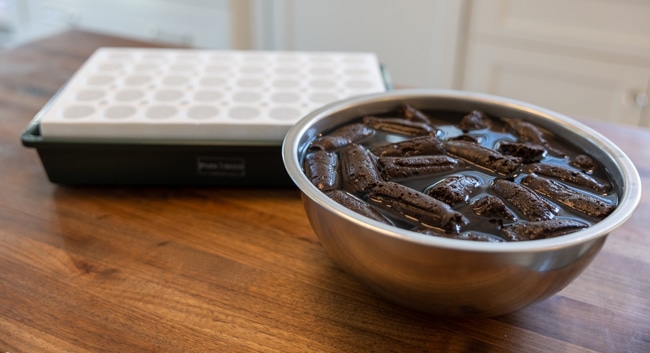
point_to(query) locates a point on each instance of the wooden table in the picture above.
(116, 269)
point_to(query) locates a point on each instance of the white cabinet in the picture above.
(585, 58)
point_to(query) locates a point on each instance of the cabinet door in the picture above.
(577, 87)
(606, 26)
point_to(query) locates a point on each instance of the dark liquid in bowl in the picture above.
(571, 204)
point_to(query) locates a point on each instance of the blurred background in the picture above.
(586, 58)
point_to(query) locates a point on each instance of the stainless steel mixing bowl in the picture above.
(449, 276)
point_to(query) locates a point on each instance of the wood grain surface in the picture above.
(117, 269)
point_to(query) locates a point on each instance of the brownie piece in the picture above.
(414, 206)
(529, 132)
(528, 152)
(572, 176)
(583, 162)
(322, 169)
(396, 168)
(533, 206)
(475, 120)
(342, 137)
(417, 146)
(542, 229)
(483, 156)
(409, 112)
(454, 189)
(400, 126)
(357, 205)
(579, 201)
(492, 207)
(358, 171)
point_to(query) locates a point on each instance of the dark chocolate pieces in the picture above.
(396, 168)
(529, 132)
(475, 120)
(528, 152)
(576, 177)
(322, 169)
(483, 156)
(583, 162)
(578, 201)
(454, 189)
(415, 207)
(409, 112)
(357, 205)
(542, 229)
(358, 169)
(492, 207)
(529, 203)
(444, 169)
(417, 146)
(400, 126)
(342, 137)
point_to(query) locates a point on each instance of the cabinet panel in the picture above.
(615, 26)
(573, 86)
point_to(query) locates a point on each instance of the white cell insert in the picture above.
(192, 94)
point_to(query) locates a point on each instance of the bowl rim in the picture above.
(629, 197)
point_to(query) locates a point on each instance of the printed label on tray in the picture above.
(222, 166)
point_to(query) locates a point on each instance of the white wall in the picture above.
(417, 40)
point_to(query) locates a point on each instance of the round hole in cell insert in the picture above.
(100, 80)
(88, 95)
(119, 112)
(322, 84)
(217, 69)
(167, 95)
(285, 113)
(321, 59)
(250, 83)
(175, 80)
(137, 80)
(207, 96)
(252, 70)
(323, 97)
(285, 83)
(161, 112)
(181, 68)
(78, 111)
(127, 95)
(285, 97)
(246, 96)
(359, 84)
(244, 113)
(287, 70)
(321, 71)
(145, 67)
(202, 112)
(212, 81)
